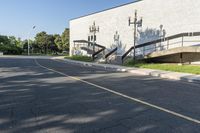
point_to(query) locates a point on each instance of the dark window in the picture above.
(95, 37)
(88, 41)
(91, 38)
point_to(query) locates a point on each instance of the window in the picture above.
(88, 41)
(95, 37)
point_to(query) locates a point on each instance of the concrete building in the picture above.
(161, 18)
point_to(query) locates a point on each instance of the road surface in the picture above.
(48, 96)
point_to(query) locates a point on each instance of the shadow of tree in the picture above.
(36, 100)
(148, 35)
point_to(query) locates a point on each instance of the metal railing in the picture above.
(96, 53)
(87, 42)
(166, 43)
(101, 48)
(111, 52)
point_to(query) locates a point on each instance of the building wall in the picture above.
(176, 16)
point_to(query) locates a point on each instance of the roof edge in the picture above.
(106, 9)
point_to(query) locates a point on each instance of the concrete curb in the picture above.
(148, 72)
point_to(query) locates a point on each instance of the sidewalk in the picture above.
(150, 72)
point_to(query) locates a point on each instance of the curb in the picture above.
(140, 71)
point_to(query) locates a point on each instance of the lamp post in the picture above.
(137, 23)
(29, 41)
(94, 29)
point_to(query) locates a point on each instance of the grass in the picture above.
(79, 58)
(166, 67)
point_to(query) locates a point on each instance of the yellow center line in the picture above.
(125, 96)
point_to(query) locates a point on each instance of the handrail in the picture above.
(111, 52)
(187, 34)
(124, 55)
(84, 41)
(87, 49)
(96, 53)
(93, 44)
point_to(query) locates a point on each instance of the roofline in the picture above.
(106, 9)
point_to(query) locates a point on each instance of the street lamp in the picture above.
(94, 29)
(29, 41)
(137, 23)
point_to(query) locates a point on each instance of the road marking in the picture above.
(125, 96)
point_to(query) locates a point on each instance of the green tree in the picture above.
(25, 45)
(58, 42)
(46, 42)
(12, 41)
(42, 41)
(19, 43)
(4, 40)
(8, 45)
(65, 39)
(51, 43)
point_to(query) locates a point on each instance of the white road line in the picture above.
(125, 96)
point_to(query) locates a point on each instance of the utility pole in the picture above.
(137, 23)
(29, 41)
(94, 29)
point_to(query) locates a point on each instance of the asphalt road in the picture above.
(46, 96)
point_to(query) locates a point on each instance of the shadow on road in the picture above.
(33, 99)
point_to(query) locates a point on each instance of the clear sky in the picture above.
(17, 17)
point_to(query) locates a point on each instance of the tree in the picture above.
(46, 42)
(8, 45)
(58, 42)
(25, 45)
(65, 39)
(19, 43)
(12, 41)
(42, 41)
(34, 47)
(4, 40)
(51, 43)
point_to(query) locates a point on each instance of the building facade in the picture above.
(160, 18)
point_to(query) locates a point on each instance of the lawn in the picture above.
(79, 58)
(167, 67)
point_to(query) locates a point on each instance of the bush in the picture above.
(11, 50)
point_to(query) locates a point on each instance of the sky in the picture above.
(17, 17)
